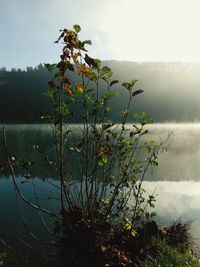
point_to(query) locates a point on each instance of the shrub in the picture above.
(111, 158)
(101, 163)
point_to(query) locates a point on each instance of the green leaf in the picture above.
(133, 82)
(51, 83)
(90, 61)
(50, 67)
(127, 85)
(105, 201)
(130, 85)
(102, 161)
(106, 70)
(127, 226)
(77, 28)
(49, 94)
(107, 125)
(70, 66)
(137, 92)
(61, 65)
(110, 94)
(144, 132)
(105, 159)
(89, 100)
(98, 62)
(113, 82)
(152, 214)
(88, 42)
(105, 73)
(90, 90)
(154, 163)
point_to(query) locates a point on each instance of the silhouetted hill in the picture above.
(171, 91)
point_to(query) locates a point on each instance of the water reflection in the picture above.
(11, 223)
(180, 161)
(177, 201)
(177, 178)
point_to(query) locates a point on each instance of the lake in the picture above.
(176, 179)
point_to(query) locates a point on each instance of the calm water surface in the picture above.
(176, 179)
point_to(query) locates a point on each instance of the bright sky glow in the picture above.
(134, 30)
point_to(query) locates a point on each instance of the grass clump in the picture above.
(168, 256)
(173, 248)
(116, 246)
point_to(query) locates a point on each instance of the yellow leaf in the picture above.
(61, 77)
(79, 87)
(75, 58)
(67, 87)
(127, 226)
(105, 201)
(85, 70)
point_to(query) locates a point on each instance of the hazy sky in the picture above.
(136, 30)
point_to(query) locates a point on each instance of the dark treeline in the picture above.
(21, 95)
(171, 91)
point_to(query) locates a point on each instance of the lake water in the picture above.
(176, 179)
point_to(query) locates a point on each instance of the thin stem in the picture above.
(15, 182)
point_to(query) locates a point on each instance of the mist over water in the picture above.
(181, 159)
(177, 178)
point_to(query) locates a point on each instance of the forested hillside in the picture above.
(21, 99)
(170, 91)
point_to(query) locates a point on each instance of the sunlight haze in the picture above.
(134, 30)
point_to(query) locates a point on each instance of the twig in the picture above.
(15, 182)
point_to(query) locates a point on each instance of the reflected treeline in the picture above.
(30, 147)
(32, 150)
(171, 91)
(33, 143)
